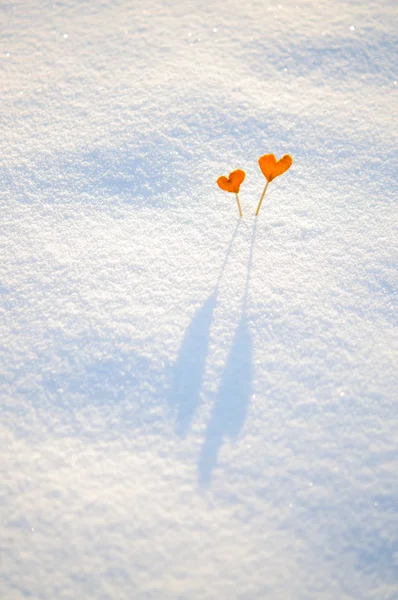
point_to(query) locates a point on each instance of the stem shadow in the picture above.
(234, 393)
(189, 367)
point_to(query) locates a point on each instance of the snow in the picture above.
(195, 406)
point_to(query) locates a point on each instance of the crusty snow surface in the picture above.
(193, 406)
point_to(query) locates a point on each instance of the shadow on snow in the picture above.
(235, 390)
(234, 393)
(188, 370)
(232, 401)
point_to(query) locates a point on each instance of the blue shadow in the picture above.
(234, 393)
(189, 367)
(233, 397)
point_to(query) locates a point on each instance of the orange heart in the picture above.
(271, 168)
(233, 183)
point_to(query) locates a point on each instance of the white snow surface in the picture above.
(195, 406)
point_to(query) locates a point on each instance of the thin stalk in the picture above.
(238, 203)
(261, 199)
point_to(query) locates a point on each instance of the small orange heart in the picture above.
(271, 168)
(233, 182)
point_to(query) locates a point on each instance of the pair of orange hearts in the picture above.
(269, 166)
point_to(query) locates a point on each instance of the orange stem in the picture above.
(261, 199)
(238, 203)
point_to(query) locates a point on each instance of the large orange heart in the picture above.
(271, 168)
(233, 183)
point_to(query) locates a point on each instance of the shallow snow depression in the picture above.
(193, 405)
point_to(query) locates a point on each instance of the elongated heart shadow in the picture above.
(234, 393)
(233, 397)
(189, 367)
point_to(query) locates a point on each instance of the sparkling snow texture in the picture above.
(194, 407)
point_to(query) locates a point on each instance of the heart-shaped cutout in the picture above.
(233, 182)
(272, 168)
